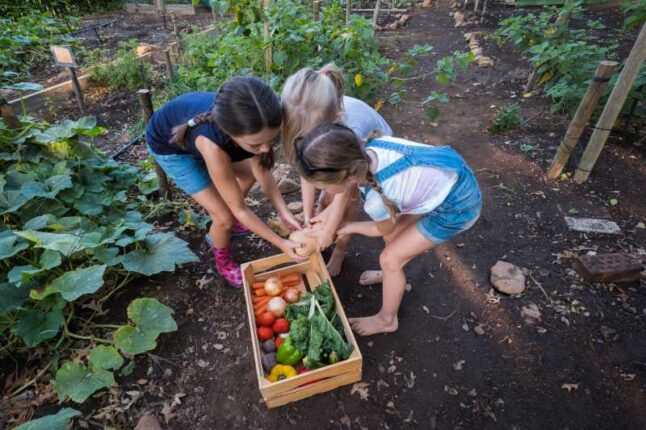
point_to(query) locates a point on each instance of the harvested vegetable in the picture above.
(287, 353)
(278, 341)
(268, 361)
(291, 295)
(281, 325)
(309, 243)
(280, 372)
(265, 319)
(268, 346)
(292, 278)
(265, 333)
(277, 306)
(273, 287)
(260, 292)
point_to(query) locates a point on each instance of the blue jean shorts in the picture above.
(438, 227)
(188, 171)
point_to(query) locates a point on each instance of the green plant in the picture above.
(71, 235)
(635, 11)
(506, 119)
(124, 71)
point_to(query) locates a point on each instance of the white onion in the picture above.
(273, 287)
(292, 295)
(277, 306)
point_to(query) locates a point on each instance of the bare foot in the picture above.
(371, 277)
(335, 263)
(368, 326)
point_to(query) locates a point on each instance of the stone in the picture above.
(479, 330)
(147, 422)
(288, 185)
(427, 3)
(507, 278)
(295, 207)
(592, 225)
(608, 268)
(530, 313)
(484, 62)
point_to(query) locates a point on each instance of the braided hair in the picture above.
(244, 105)
(318, 152)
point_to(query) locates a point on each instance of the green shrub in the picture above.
(124, 71)
(507, 118)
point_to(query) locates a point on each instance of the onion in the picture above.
(277, 306)
(273, 286)
(292, 295)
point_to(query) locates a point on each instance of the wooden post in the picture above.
(316, 7)
(348, 11)
(160, 5)
(78, 92)
(375, 16)
(269, 52)
(7, 114)
(175, 34)
(586, 107)
(146, 102)
(169, 65)
(613, 106)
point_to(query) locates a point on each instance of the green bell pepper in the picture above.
(287, 353)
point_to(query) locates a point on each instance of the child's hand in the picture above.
(289, 248)
(324, 238)
(289, 221)
(321, 216)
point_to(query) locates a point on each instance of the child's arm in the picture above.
(221, 172)
(308, 193)
(333, 217)
(369, 228)
(269, 186)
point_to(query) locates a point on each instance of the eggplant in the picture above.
(268, 361)
(268, 346)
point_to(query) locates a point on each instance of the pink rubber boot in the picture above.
(226, 267)
(239, 229)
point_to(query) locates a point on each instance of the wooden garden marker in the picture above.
(64, 57)
(146, 102)
(7, 114)
(586, 107)
(613, 106)
(348, 11)
(269, 52)
(316, 7)
(375, 16)
(169, 65)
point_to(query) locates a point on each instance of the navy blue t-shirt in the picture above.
(177, 112)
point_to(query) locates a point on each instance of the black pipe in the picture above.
(127, 146)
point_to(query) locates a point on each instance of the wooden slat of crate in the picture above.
(315, 381)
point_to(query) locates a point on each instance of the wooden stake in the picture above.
(613, 106)
(316, 8)
(146, 102)
(78, 92)
(169, 65)
(348, 11)
(583, 113)
(269, 52)
(175, 34)
(7, 114)
(375, 15)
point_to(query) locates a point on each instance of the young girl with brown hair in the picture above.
(418, 196)
(214, 147)
(311, 98)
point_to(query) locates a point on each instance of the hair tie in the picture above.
(325, 70)
(191, 122)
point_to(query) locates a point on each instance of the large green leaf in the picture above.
(93, 203)
(11, 201)
(77, 382)
(39, 222)
(163, 251)
(151, 316)
(58, 421)
(65, 243)
(108, 256)
(131, 340)
(34, 325)
(19, 274)
(105, 357)
(48, 189)
(9, 247)
(74, 284)
(12, 297)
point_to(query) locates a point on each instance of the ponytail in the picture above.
(180, 132)
(390, 205)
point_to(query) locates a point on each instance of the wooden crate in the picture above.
(315, 381)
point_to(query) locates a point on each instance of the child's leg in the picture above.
(402, 249)
(341, 245)
(372, 277)
(244, 175)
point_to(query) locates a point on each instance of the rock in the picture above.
(468, 36)
(477, 52)
(484, 62)
(479, 330)
(459, 18)
(507, 278)
(144, 49)
(592, 225)
(530, 313)
(295, 207)
(427, 3)
(287, 185)
(277, 226)
(147, 422)
(403, 20)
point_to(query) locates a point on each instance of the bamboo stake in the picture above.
(316, 8)
(589, 102)
(146, 102)
(613, 107)
(169, 65)
(269, 52)
(348, 11)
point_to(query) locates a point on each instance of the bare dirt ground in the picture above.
(581, 366)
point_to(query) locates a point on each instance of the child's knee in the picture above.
(223, 221)
(388, 260)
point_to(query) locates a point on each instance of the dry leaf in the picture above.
(452, 391)
(148, 422)
(362, 389)
(570, 387)
(168, 411)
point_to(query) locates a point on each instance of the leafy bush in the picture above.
(506, 119)
(25, 41)
(71, 234)
(124, 71)
(635, 11)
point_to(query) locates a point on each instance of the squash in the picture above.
(300, 236)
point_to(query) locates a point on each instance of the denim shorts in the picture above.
(188, 171)
(438, 227)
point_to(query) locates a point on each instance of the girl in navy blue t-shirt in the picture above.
(214, 147)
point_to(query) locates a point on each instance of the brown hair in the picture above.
(310, 98)
(331, 152)
(243, 105)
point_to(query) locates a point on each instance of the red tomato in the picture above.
(279, 340)
(265, 333)
(281, 326)
(265, 319)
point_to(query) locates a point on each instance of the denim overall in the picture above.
(461, 208)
